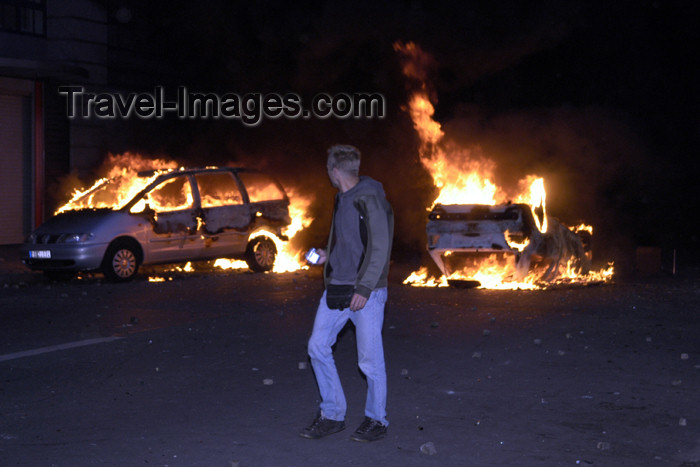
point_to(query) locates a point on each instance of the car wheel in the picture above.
(260, 254)
(121, 262)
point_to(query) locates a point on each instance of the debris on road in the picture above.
(428, 449)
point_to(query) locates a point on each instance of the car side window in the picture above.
(218, 189)
(174, 194)
(260, 187)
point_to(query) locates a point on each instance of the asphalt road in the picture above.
(210, 369)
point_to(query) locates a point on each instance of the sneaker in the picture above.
(369, 430)
(322, 426)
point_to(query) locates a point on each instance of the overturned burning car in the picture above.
(518, 240)
(165, 216)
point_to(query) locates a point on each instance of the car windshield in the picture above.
(173, 194)
(112, 193)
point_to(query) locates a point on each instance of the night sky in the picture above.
(600, 98)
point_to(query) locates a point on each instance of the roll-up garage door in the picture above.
(14, 139)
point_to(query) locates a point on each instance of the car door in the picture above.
(174, 234)
(268, 201)
(226, 217)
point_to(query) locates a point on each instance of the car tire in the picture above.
(121, 262)
(261, 254)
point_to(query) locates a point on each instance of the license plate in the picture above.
(41, 254)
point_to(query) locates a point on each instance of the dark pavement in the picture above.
(211, 370)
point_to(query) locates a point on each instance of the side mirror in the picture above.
(149, 212)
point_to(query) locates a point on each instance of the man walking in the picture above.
(356, 265)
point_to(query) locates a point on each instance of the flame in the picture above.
(288, 257)
(286, 260)
(298, 211)
(465, 176)
(123, 169)
(583, 227)
(534, 195)
(495, 274)
(226, 263)
(420, 278)
(520, 246)
(422, 110)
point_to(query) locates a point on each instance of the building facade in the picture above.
(45, 44)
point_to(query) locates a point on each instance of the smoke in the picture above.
(297, 155)
(586, 156)
(592, 164)
(486, 60)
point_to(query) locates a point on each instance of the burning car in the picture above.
(481, 234)
(174, 215)
(517, 239)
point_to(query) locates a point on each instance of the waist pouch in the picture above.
(338, 296)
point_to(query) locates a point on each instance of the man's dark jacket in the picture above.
(359, 250)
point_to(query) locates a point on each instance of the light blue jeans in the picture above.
(370, 355)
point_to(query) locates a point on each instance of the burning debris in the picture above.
(479, 234)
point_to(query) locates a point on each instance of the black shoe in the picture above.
(369, 430)
(321, 427)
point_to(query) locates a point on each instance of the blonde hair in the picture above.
(345, 158)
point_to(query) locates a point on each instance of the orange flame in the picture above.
(124, 169)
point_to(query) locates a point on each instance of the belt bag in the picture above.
(338, 296)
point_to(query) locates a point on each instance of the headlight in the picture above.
(31, 238)
(75, 238)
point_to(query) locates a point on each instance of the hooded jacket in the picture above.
(359, 243)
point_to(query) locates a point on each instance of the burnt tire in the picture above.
(121, 261)
(260, 254)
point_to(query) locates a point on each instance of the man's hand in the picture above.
(322, 256)
(358, 302)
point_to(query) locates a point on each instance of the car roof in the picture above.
(171, 173)
(193, 170)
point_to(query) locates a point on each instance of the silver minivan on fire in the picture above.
(175, 215)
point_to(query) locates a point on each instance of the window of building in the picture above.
(23, 16)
